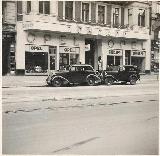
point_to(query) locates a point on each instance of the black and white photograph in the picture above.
(80, 77)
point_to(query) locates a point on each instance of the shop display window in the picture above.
(36, 62)
(110, 60)
(67, 59)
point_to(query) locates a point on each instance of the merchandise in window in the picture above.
(69, 10)
(141, 18)
(28, 6)
(36, 62)
(44, 7)
(85, 12)
(101, 14)
(116, 17)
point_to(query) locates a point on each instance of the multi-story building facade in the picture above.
(53, 34)
(155, 34)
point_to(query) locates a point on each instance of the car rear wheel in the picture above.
(57, 82)
(108, 81)
(133, 80)
(91, 81)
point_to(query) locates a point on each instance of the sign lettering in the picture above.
(115, 52)
(69, 49)
(138, 53)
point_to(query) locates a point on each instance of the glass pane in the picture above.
(28, 6)
(19, 7)
(74, 58)
(110, 60)
(41, 7)
(36, 62)
(52, 62)
(69, 10)
(47, 7)
(63, 61)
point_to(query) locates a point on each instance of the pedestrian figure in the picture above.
(99, 63)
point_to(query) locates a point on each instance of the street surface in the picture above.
(117, 119)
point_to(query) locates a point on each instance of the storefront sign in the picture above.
(69, 49)
(115, 52)
(138, 53)
(36, 48)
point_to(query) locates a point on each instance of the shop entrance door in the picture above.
(89, 55)
(52, 58)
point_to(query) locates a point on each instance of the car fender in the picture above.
(133, 75)
(65, 81)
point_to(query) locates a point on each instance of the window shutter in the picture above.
(78, 11)
(109, 14)
(122, 16)
(93, 12)
(60, 9)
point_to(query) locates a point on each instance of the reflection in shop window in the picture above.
(36, 62)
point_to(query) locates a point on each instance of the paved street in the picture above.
(118, 119)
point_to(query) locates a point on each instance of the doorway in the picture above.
(89, 55)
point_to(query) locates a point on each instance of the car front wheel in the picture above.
(109, 81)
(91, 81)
(133, 80)
(57, 82)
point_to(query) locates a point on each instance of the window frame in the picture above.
(130, 16)
(119, 16)
(43, 7)
(99, 5)
(140, 17)
(105, 13)
(30, 7)
(65, 10)
(89, 11)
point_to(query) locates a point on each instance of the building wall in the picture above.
(76, 32)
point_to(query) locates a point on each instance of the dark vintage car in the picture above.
(73, 75)
(123, 74)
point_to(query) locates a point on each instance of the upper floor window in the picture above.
(101, 14)
(69, 10)
(116, 17)
(44, 7)
(19, 7)
(28, 6)
(130, 17)
(141, 17)
(85, 12)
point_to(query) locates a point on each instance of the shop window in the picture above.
(69, 10)
(116, 17)
(36, 62)
(117, 60)
(110, 60)
(28, 6)
(101, 14)
(130, 17)
(85, 12)
(44, 7)
(141, 17)
(68, 56)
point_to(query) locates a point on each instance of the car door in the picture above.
(75, 75)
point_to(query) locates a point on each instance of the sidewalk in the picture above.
(26, 81)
